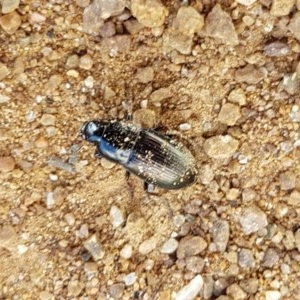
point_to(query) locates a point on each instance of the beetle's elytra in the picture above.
(153, 157)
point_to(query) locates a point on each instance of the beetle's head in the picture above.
(92, 131)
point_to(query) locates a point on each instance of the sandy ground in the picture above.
(85, 234)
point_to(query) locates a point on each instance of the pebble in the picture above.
(7, 164)
(94, 247)
(36, 17)
(108, 92)
(72, 62)
(126, 251)
(297, 239)
(4, 98)
(184, 127)
(195, 264)
(294, 25)
(4, 71)
(253, 219)
(74, 288)
(237, 96)
(190, 245)
(133, 26)
(148, 245)
(54, 82)
(47, 120)
(89, 82)
(160, 94)
(218, 24)
(70, 219)
(249, 74)
(246, 2)
(129, 279)
(108, 29)
(188, 21)
(117, 216)
(173, 39)
(145, 117)
(145, 75)
(287, 180)
(45, 295)
(273, 295)
(170, 246)
(116, 290)
(10, 23)
(290, 83)
(149, 13)
(250, 285)
(229, 114)
(277, 49)
(246, 258)
(190, 291)
(9, 6)
(91, 268)
(220, 147)
(116, 44)
(281, 8)
(82, 3)
(236, 292)
(220, 234)
(85, 62)
(270, 258)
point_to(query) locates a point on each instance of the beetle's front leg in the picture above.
(97, 153)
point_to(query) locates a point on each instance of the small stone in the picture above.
(74, 288)
(220, 234)
(94, 247)
(108, 29)
(72, 61)
(297, 239)
(237, 96)
(271, 258)
(126, 251)
(148, 245)
(47, 120)
(54, 82)
(253, 219)
(9, 6)
(229, 114)
(190, 291)
(70, 219)
(4, 71)
(273, 295)
(195, 264)
(246, 259)
(220, 147)
(36, 17)
(218, 24)
(174, 39)
(250, 285)
(248, 21)
(4, 98)
(150, 13)
(145, 75)
(246, 2)
(117, 43)
(281, 8)
(287, 180)
(7, 164)
(108, 92)
(249, 74)
(236, 292)
(133, 26)
(91, 268)
(116, 290)
(191, 245)
(160, 94)
(184, 127)
(145, 117)
(277, 49)
(10, 22)
(290, 83)
(45, 295)
(117, 216)
(82, 3)
(170, 246)
(85, 62)
(129, 279)
(188, 21)
(89, 82)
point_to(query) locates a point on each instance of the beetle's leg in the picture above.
(97, 153)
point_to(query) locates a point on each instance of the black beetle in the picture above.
(153, 157)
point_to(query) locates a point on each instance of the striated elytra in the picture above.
(153, 157)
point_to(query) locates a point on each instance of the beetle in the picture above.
(155, 158)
